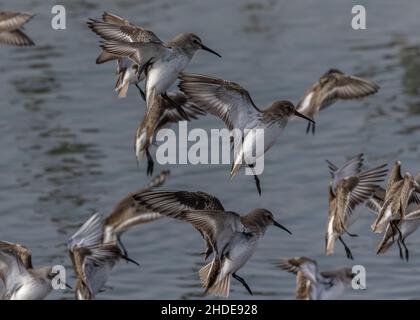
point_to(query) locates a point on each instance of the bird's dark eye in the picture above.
(195, 41)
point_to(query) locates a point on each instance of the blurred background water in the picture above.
(66, 140)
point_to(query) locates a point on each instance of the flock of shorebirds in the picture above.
(229, 238)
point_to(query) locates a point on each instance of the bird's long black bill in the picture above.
(68, 286)
(281, 226)
(298, 114)
(210, 50)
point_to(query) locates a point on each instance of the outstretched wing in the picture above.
(355, 190)
(121, 30)
(11, 20)
(89, 234)
(173, 203)
(224, 99)
(351, 168)
(337, 85)
(307, 266)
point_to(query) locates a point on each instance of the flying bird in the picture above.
(233, 238)
(332, 86)
(348, 188)
(233, 104)
(312, 284)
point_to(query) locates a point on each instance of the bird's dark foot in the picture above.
(309, 127)
(243, 282)
(130, 260)
(257, 180)
(150, 163)
(347, 249)
(348, 253)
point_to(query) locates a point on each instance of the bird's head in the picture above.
(190, 43)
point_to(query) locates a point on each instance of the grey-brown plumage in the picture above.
(162, 114)
(405, 226)
(115, 28)
(11, 23)
(161, 62)
(314, 285)
(400, 192)
(348, 188)
(233, 238)
(20, 279)
(332, 86)
(173, 203)
(233, 104)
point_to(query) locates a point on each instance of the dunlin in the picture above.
(161, 62)
(233, 238)
(406, 226)
(314, 285)
(161, 115)
(396, 226)
(332, 86)
(400, 192)
(92, 259)
(234, 105)
(115, 28)
(348, 188)
(129, 213)
(21, 281)
(10, 24)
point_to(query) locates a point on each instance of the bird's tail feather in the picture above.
(105, 57)
(122, 90)
(221, 287)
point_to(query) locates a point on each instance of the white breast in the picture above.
(164, 73)
(304, 106)
(32, 290)
(240, 250)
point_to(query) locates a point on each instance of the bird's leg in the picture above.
(257, 180)
(309, 126)
(400, 240)
(143, 68)
(125, 253)
(405, 248)
(243, 282)
(348, 251)
(178, 107)
(345, 229)
(150, 163)
(141, 91)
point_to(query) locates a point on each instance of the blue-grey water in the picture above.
(66, 140)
